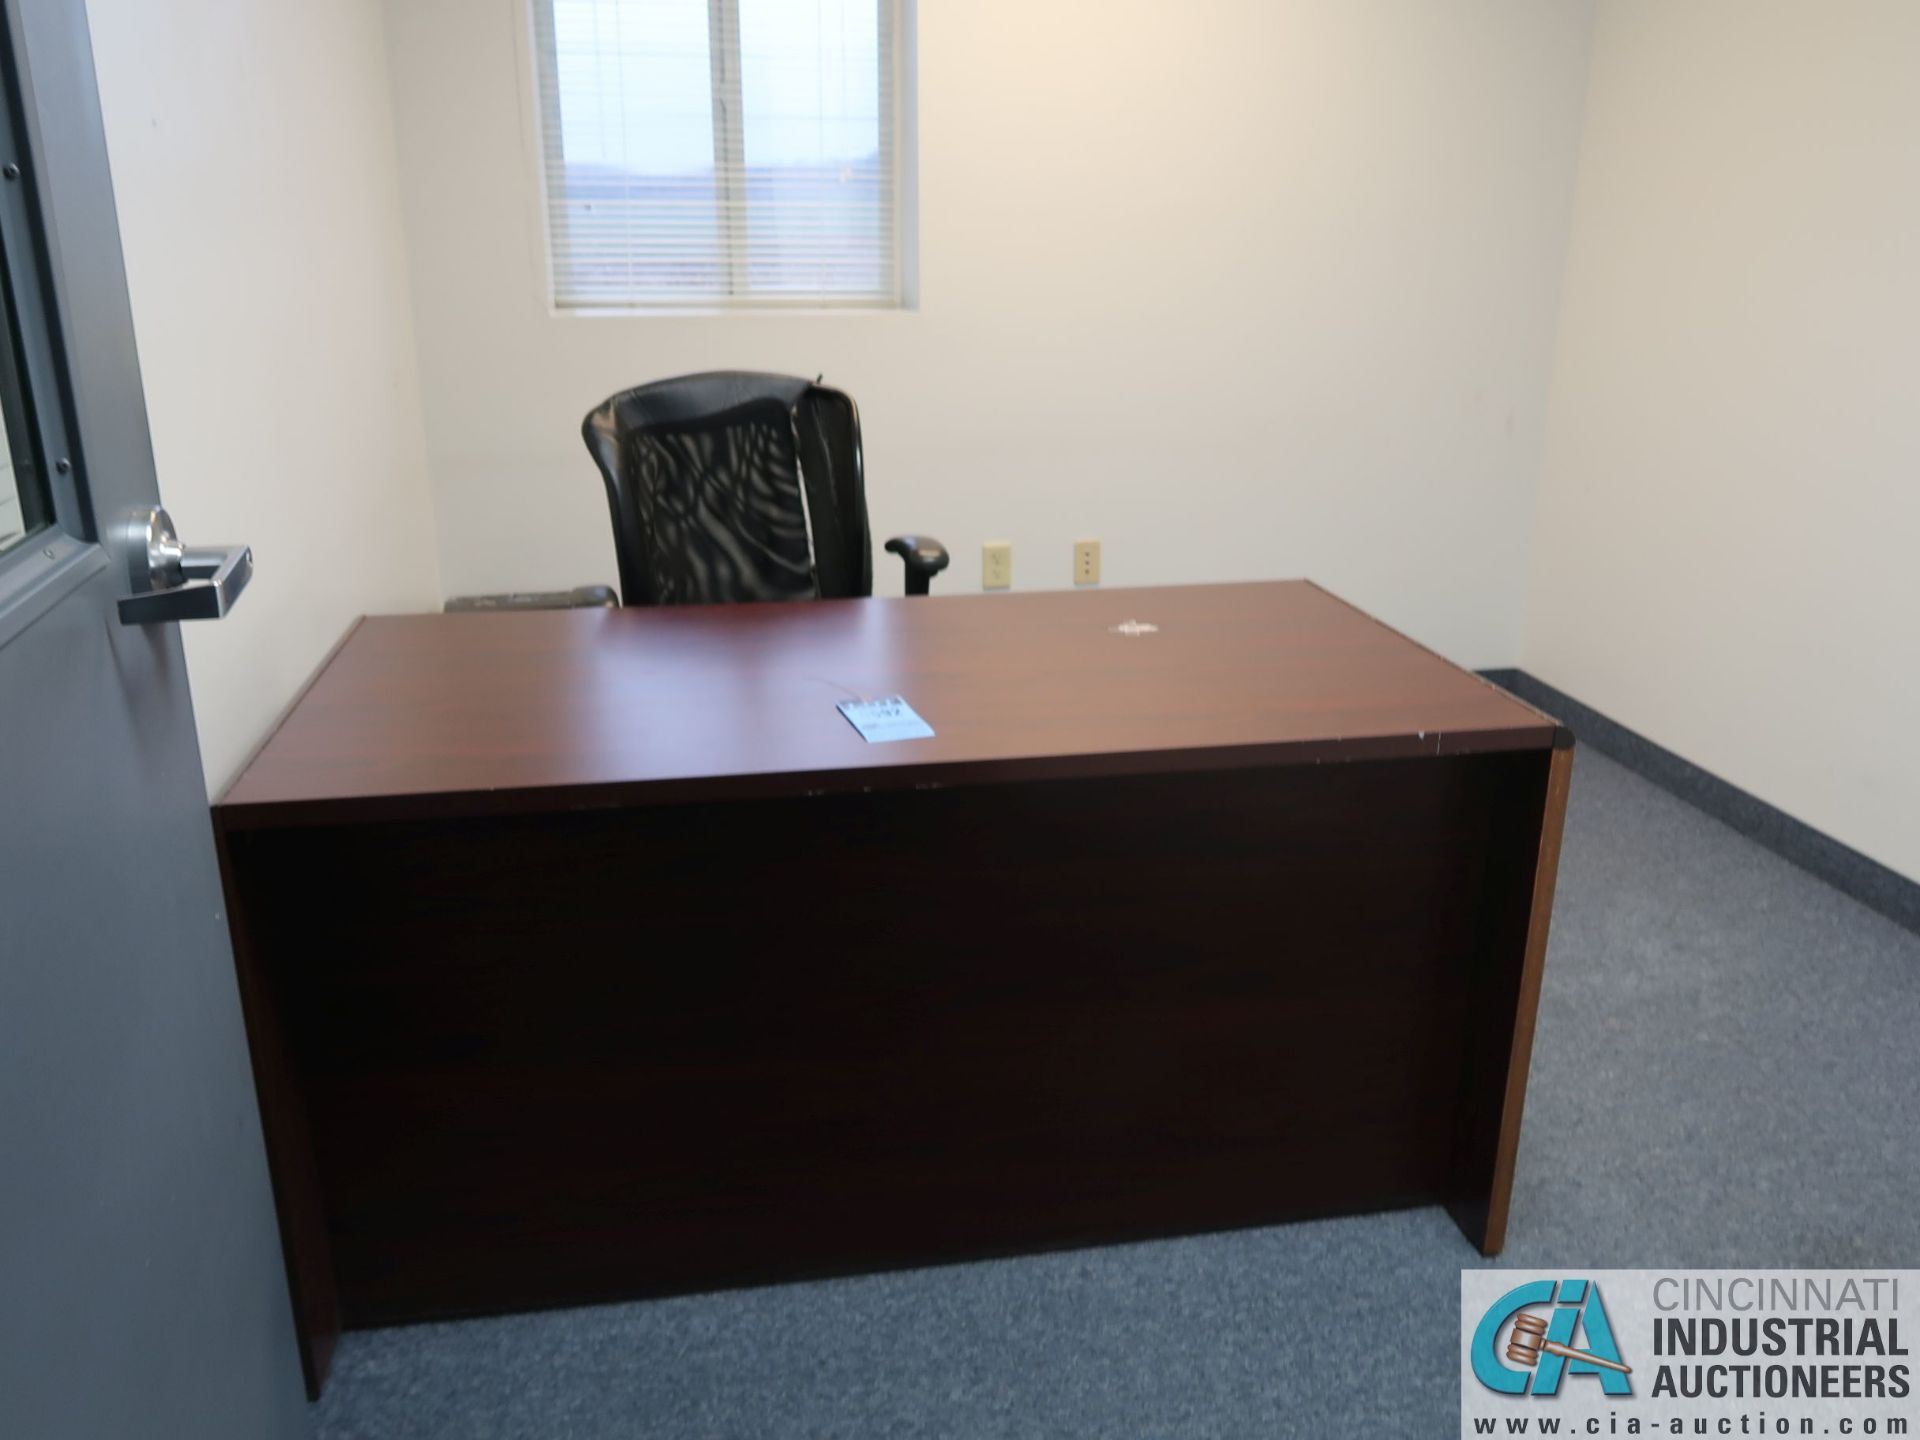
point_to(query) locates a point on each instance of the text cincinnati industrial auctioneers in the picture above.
(1725, 1338)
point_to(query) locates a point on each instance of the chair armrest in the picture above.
(924, 558)
(581, 597)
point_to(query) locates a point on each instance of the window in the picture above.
(24, 504)
(26, 498)
(13, 516)
(722, 152)
(45, 549)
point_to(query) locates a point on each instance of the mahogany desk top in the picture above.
(495, 713)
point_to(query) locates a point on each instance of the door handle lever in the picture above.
(171, 581)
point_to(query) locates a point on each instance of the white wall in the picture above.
(1725, 556)
(1245, 288)
(253, 165)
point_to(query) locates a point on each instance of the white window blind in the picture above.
(720, 152)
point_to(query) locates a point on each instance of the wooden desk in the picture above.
(590, 954)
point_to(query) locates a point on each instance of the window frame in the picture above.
(538, 80)
(61, 551)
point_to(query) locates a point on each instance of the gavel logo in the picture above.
(1529, 1342)
(1512, 1333)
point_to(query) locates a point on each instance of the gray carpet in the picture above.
(1725, 1074)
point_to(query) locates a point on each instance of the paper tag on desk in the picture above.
(888, 719)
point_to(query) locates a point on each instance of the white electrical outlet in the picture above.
(1086, 562)
(996, 565)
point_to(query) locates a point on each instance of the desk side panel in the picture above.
(1509, 962)
(281, 1096)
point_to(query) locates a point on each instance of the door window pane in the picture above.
(24, 505)
(13, 521)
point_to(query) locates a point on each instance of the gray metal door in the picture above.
(141, 1285)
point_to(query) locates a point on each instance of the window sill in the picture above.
(811, 310)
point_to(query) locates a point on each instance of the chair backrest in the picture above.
(733, 486)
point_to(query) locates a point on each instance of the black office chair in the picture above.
(738, 486)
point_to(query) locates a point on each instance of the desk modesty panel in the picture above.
(591, 954)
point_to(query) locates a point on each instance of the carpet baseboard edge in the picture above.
(1840, 865)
